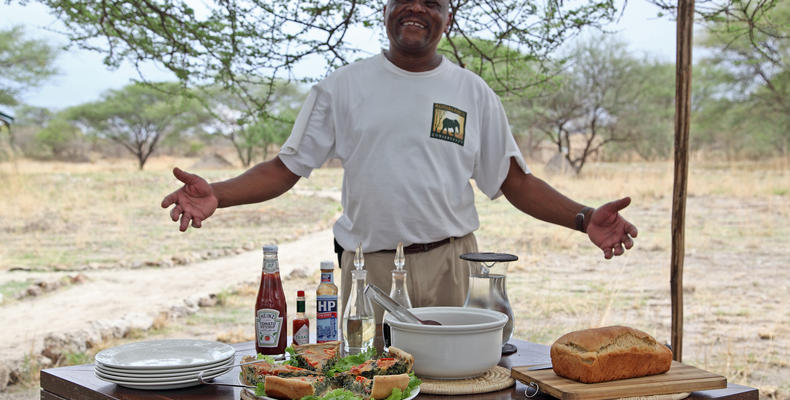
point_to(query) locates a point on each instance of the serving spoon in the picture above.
(400, 312)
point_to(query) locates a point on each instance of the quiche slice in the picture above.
(296, 387)
(380, 387)
(253, 374)
(317, 356)
(396, 361)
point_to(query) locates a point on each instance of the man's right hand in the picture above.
(194, 202)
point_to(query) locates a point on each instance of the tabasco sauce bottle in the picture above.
(301, 324)
(271, 322)
(326, 305)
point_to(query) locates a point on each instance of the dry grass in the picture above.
(64, 216)
(736, 274)
(735, 271)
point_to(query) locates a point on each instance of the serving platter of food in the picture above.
(316, 371)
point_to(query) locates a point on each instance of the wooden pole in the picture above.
(685, 26)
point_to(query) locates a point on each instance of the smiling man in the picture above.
(412, 130)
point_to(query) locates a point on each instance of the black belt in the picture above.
(423, 247)
(410, 249)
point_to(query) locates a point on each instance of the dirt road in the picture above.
(109, 295)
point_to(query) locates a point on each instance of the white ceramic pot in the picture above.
(467, 344)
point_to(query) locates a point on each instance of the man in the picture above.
(411, 129)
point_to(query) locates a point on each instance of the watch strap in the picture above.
(580, 219)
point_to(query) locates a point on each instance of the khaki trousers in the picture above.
(437, 277)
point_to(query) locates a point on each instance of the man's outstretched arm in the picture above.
(197, 199)
(605, 227)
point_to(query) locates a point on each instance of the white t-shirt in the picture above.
(409, 142)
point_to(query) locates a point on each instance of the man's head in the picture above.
(415, 27)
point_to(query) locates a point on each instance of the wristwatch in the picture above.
(580, 225)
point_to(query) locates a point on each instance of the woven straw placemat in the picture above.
(496, 378)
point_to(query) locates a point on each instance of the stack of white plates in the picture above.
(164, 364)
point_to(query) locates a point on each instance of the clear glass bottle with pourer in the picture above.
(399, 289)
(358, 320)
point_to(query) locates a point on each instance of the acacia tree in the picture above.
(242, 44)
(595, 102)
(24, 64)
(136, 116)
(251, 133)
(753, 60)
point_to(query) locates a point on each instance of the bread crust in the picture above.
(287, 388)
(402, 355)
(608, 353)
(383, 385)
(335, 344)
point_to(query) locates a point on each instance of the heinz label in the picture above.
(326, 318)
(268, 322)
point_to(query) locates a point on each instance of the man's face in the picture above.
(416, 26)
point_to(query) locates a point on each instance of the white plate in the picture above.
(163, 377)
(161, 372)
(165, 354)
(161, 380)
(172, 384)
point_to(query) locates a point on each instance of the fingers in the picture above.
(185, 218)
(631, 230)
(196, 222)
(618, 205)
(627, 241)
(613, 249)
(185, 177)
(169, 199)
(618, 249)
(175, 213)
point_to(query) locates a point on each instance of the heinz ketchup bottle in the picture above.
(271, 320)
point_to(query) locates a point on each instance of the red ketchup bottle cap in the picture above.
(300, 293)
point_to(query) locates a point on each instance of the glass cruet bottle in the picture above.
(398, 289)
(358, 319)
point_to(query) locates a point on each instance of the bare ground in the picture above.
(736, 284)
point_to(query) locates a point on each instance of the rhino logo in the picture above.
(449, 123)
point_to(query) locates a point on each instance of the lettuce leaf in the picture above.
(268, 359)
(414, 381)
(292, 360)
(395, 395)
(260, 390)
(345, 363)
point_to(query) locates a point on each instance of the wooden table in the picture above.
(79, 383)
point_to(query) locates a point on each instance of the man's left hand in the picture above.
(609, 230)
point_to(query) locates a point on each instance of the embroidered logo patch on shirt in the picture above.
(448, 123)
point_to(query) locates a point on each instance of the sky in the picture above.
(83, 76)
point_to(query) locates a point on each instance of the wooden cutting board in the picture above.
(679, 379)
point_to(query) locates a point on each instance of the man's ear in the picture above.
(384, 15)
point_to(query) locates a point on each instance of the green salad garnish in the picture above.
(344, 364)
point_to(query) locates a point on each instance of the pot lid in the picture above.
(489, 257)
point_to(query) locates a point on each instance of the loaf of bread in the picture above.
(607, 354)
